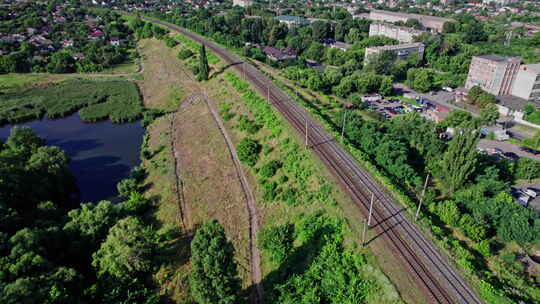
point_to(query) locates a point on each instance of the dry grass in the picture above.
(164, 76)
(210, 185)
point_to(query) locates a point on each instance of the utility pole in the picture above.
(421, 198)
(244, 69)
(343, 126)
(364, 234)
(268, 95)
(306, 133)
(370, 209)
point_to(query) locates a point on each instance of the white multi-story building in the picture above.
(527, 83)
(401, 50)
(498, 2)
(431, 23)
(242, 3)
(400, 33)
(494, 74)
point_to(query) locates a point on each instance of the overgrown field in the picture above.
(307, 241)
(117, 100)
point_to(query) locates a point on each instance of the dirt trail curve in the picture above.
(257, 291)
(255, 260)
(433, 272)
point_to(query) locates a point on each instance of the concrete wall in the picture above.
(523, 85)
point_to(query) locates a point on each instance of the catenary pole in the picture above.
(421, 198)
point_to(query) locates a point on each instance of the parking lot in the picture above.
(487, 144)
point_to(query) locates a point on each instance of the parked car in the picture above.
(511, 155)
(448, 89)
(529, 150)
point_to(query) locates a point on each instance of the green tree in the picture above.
(449, 213)
(422, 80)
(474, 93)
(315, 51)
(127, 251)
(449, 27)
(214, 272)
(489, 114)
(485, 99)
(386, 87)
(459, 161)
(126, 186)
(204, 68)
(457, 118)
(92, 220)
(61, 62)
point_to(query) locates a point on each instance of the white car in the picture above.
(448, 89)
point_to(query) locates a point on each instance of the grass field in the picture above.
(316, 192)
(207, 175)
(117, 100)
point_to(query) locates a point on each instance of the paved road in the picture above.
(505, 147)
(434, 273)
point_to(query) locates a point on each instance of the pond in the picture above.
(101, 153)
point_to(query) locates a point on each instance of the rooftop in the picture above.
(292, 19)
(497, 58)
(512, 102)
(533, 67)
(397, 46)
(412, 16)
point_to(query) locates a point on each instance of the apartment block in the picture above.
(527, 83)
(401, 50)
(401, 33)
(242, 3)
(494, 74)
(431, 23)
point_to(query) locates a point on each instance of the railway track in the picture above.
(438, 278)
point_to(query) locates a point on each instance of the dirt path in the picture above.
(255, 255)
(257, 292)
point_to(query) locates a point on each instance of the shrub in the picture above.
(448, 212)
(127, 186)
(185, 54)
(248, 151)
(270, 168)
(289, 196)
(269, 190)
(277, 242)
(247, 125)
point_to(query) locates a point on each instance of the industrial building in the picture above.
(494, 74)
(527, 83)
(431, 23)
(401, 50)
(401, 33)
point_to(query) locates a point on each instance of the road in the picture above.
(506, 147)
(438, 278)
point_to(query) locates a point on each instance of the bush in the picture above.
(277, 242)
(185, 54)
(127, 186)
(269, 191)
(248, 151)
(269, 169)
(247, 125)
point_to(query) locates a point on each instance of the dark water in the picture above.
(101, 153)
